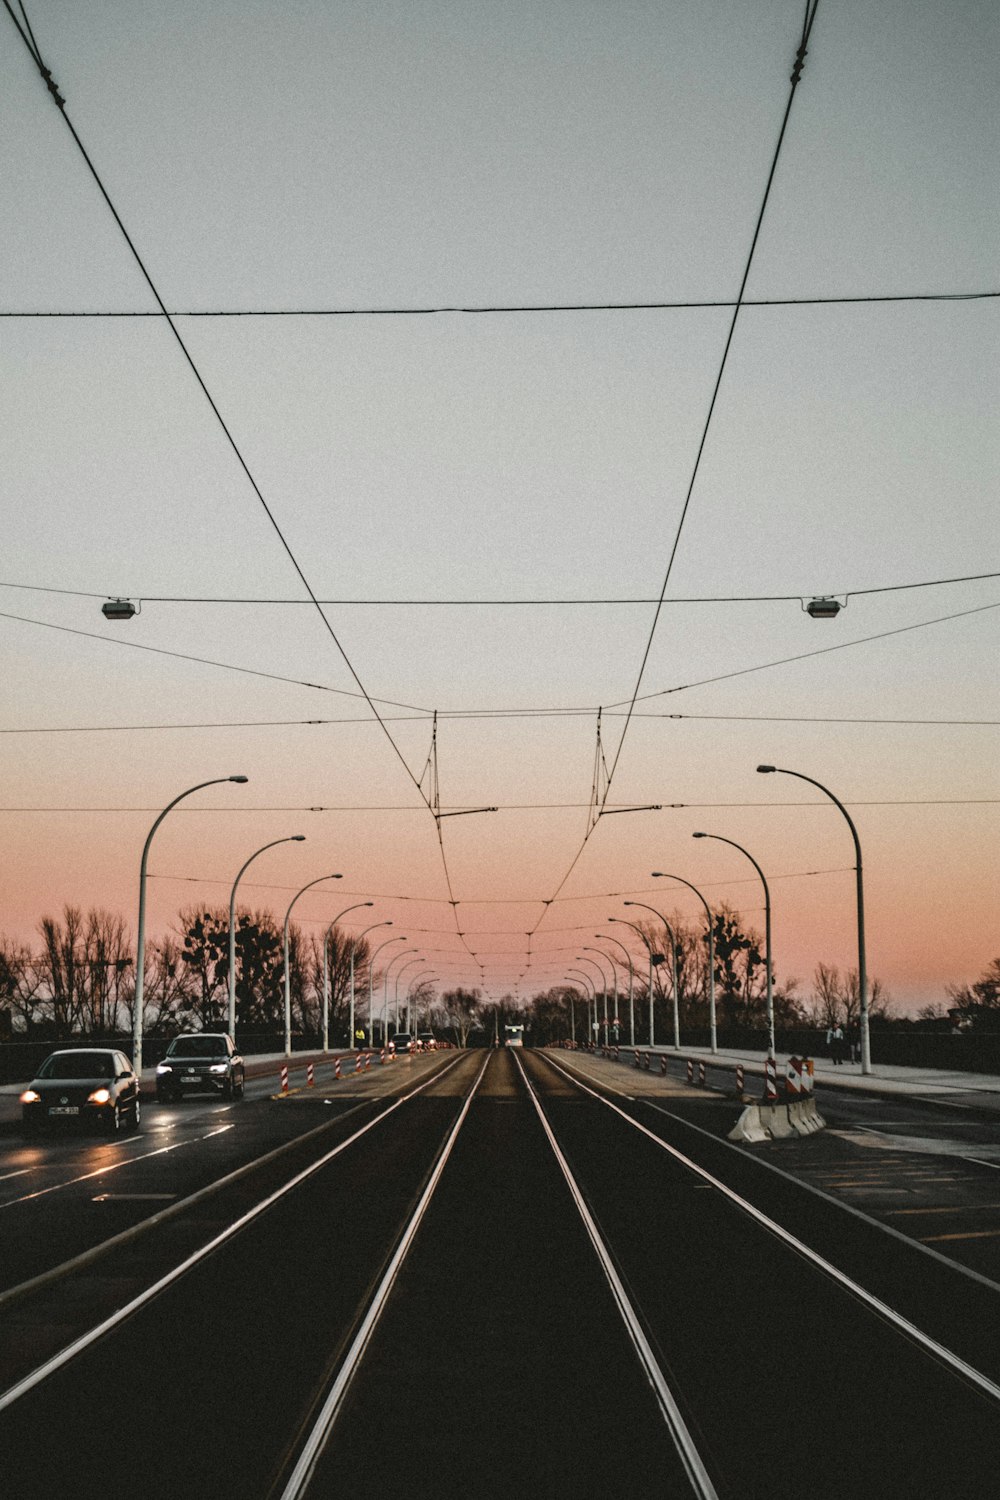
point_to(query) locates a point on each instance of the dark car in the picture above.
(94, 1086)
(200, 1062)
(404, 1043)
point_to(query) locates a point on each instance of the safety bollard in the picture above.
(310, 1076)
(336, 1068)
(770, 1079)
(690, 1071)
(701, 1075)
(635, 1058)
(739, 1078)
(359, 1064)
(663, 1065)
(368, 1061)
(381, 1057)
(284, 1079)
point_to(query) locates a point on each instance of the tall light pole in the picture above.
(140, 942)
(419, 960)
(354, 948)
(295, 838)
(631, 980)
(713, 1033)
(371, 971)
(673, 952)
(385, 990)
(423, 977)
(288, 983)
(326, 975)
(604, 980)
(572, 1008)
(591, 992)
(866, 1056)
(767, 932)
(654, 960)
(596, 1026)
(231, 1011)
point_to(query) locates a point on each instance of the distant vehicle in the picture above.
(199, 1062)
(513, 1036)
(404, 1042)
(427, 1040)
(89, 1086)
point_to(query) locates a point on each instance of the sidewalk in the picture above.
(962, 1090)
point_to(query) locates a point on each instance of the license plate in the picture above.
(190, 1078)
(64, 1109)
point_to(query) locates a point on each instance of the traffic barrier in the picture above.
(358, 1064)
(663, 1065)
(701, 1075)
(762, 1122)
(336, 1068)
(310, 1076)
(690, 1071)
(770, 1080)
(381, 1057)
(775, 1120)
(649, 1061)
(808, 1075)
(749, 1126)
(284, 1079)
(739, 1078)
(635, 1064)
(368, 1061)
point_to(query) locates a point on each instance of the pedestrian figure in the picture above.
(854, 1044)
(837, 1044)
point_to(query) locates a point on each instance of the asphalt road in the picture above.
(809, 1326)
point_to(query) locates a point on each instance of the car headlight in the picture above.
(219, 1068)
(164, 1068)
(31, 1096)
(99, 1096)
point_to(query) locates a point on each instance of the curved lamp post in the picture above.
(385, 990)
(591, 993)
(354, 948)
(866, 1056)
(371, 970)
(326, 975)
(595, 1029)
(614, 978)
(418, 960)
(569, 987)
(294, 838)
(713, 1033)
(631, 980)
(422, 978)
(767, 932)
(288, 984)
(654, 959)
(140, 942)
(673, 953)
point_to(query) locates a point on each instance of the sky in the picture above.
(332, 173)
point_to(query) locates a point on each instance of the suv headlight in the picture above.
(219, 1068)
(99, 1096)
(164, 1068)
(31, 1096)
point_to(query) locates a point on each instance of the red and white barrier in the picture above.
(336, 1068)
(358, 1064)
(739, 1078)
(368, 1061)
(770, 1079)
(690, 1071)
(635, 1063)
(284, 1078)
(381, 1057)
(793, 1077)
(701, 1074)
(663, 1065)
(310, 1076)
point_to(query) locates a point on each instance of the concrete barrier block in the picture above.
(749, 1127)
(774, 1118)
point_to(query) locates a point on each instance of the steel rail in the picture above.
(312, 1449)
(698, 1475)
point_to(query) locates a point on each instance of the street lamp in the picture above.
(420, 959)
(140, 942)
(673, 952)
(595, 1029)
(423, 978)
(354, 948)
(604, 979)
(371, 970)
(326, 976)
(385, 990)
(288, 984)
(654, 960)
(631, 979)
(659, 875)
(866, 1058)
(572, 1008)
(767, 932)
(591, 993)
(295, 838)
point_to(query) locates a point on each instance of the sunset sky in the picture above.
(311, 159)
